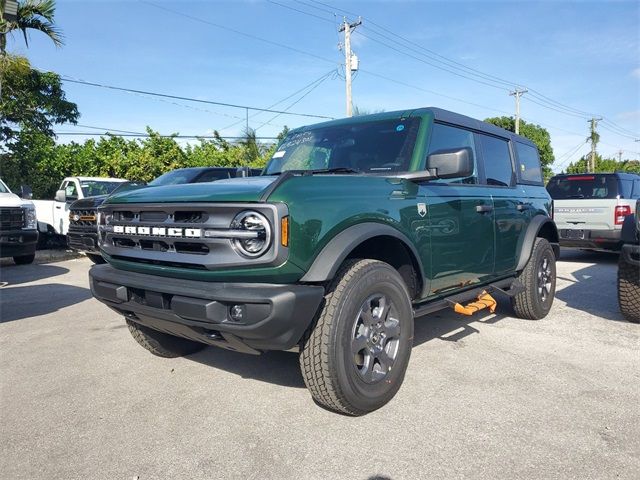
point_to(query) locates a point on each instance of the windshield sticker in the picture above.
(399, 128)
(298, 139)
(279, 154)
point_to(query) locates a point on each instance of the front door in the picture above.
(461, 220)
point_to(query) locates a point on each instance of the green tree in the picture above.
(35, 15)
(31, 100)
(604, 165)
(538, 135)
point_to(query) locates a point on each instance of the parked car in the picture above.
(355, 227)
(589, 209)
(18, 226)
(629, 267)
(83, 231)
(53, 215)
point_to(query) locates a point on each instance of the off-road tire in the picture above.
(629, 290)
(326, 359)
(162, 344)
(528, 303)
(96, 258)
(24, 259)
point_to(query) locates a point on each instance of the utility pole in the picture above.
(620, 152)
(517, 93)
(594, 138)
(347, 27)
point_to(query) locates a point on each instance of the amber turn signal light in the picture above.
(284, 231)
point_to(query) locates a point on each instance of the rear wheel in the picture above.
(354, 358)
(629, 290)
(539, 280)
(162, 344)
(96, 258)
(24, 259)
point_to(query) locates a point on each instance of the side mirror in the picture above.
(26, 192)
(61, 196)
(451, 163)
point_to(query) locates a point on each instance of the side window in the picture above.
(636, 189)
(626, 187)
(71, 191)
(528, 163)
(445, 137)
(497, 161)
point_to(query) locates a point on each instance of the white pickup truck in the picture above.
(53, 215)
(18, 234)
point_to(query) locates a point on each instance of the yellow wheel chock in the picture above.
(484, 301)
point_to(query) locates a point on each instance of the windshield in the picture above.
(369, 147)
(92, 188)
(175, 177)
(3, 188)
(583, 186)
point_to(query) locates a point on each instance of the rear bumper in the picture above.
(274, 317)
(84, 242)
(17, 243)
(601, 239)
(631, 254)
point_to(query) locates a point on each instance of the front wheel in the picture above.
(539, 280)
(162, 344)
(24, 259)
(354, 358)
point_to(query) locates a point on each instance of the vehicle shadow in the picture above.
(588, 256)
(281, 368)
(17, 274)
(32, 301)
(594, 290)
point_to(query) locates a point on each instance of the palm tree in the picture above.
(32, 15)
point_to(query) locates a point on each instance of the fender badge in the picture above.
(422, 209)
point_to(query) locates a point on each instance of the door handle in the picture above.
(484, 208)
(58, 207)
(521, 207)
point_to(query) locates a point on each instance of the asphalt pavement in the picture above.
(489, 396)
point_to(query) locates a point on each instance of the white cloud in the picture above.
(635, 73)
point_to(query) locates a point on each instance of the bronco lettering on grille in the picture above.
(158, 231)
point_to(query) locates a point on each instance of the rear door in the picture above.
(584, 202)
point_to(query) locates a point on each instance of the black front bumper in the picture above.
(18, 243)
(274, 317)
(600, 239)
(82, 241)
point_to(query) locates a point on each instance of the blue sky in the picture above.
(585, 55)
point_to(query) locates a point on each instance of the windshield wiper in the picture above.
(335, 170)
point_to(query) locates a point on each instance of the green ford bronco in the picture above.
(355, 228)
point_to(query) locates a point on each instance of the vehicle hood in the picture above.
(246, 189)
(89, 202)
(13, 200)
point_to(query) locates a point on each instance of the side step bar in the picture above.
(508, 286)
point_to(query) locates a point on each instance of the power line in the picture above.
(177, 97)
(320, 79)
(238, 32)
(89, 134)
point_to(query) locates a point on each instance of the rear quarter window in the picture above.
(529, 170)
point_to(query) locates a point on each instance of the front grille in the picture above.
(83, 220)
(177, 235)
(11, 218)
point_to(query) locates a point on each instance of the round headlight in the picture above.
(258, 238)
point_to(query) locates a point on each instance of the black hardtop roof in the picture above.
(633, 176)
(439, 114)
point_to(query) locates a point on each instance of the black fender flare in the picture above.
(629, 234)
(328, 261)
(537, 223)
